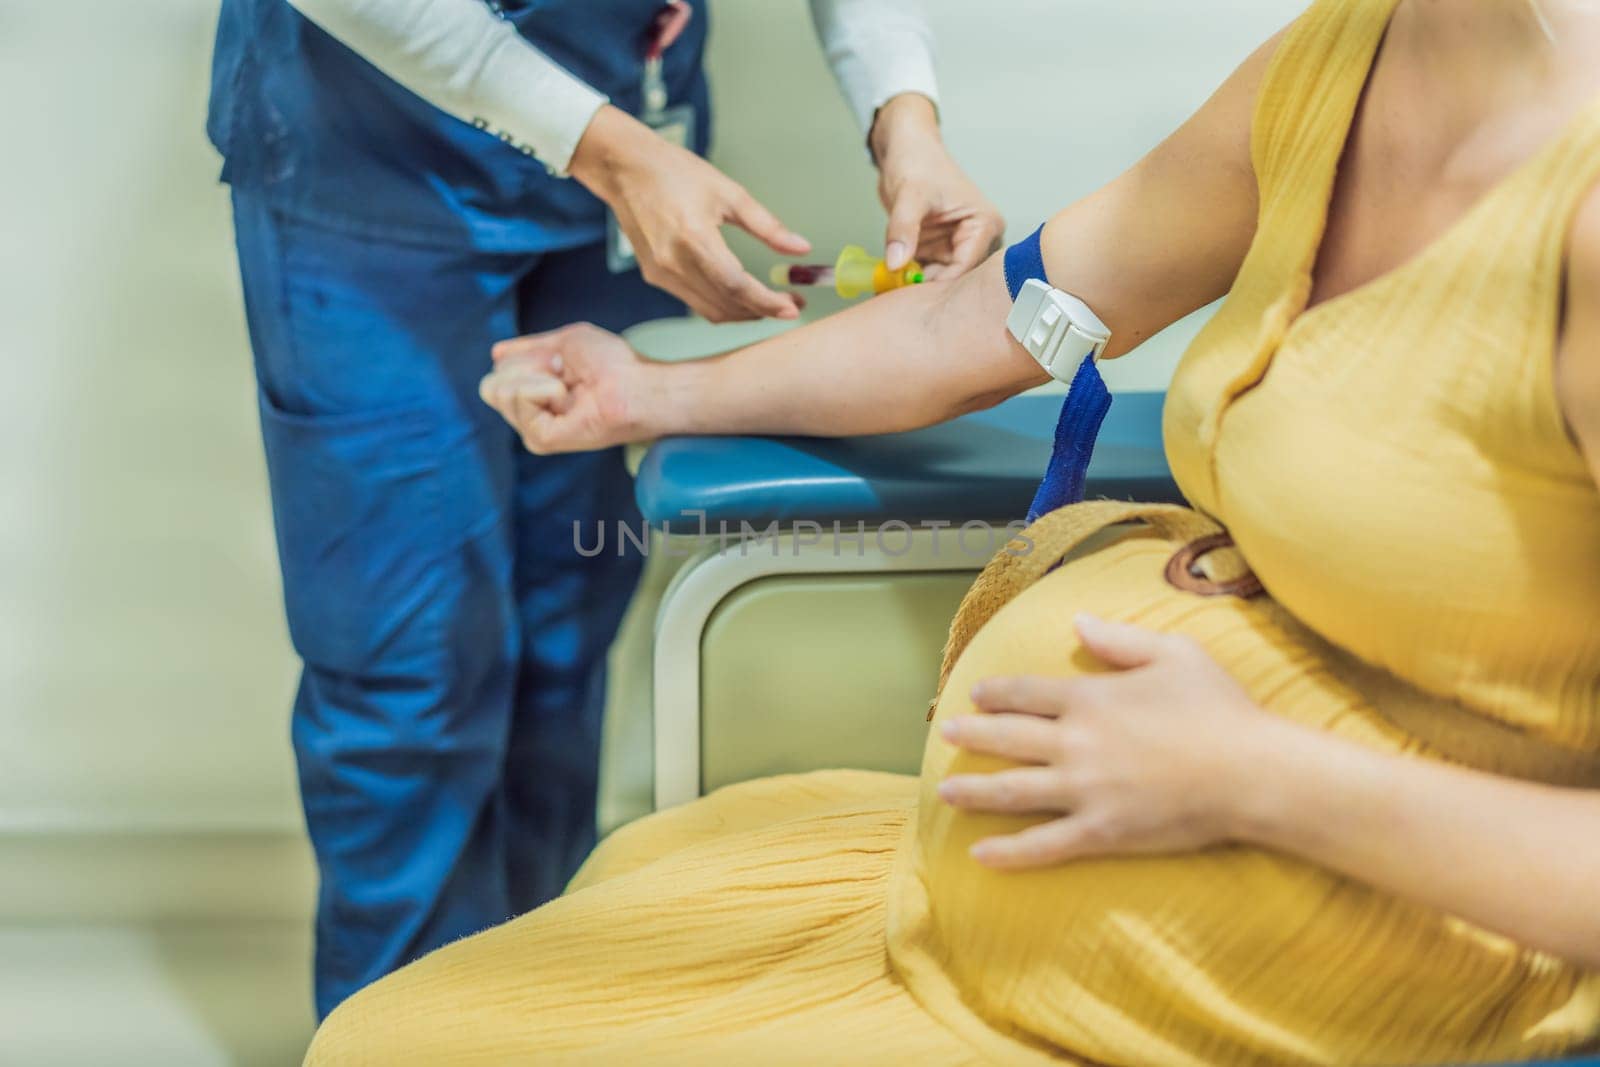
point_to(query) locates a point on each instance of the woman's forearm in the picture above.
(909, 358)
(1514, 857)
(1164, 238)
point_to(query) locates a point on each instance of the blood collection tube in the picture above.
(856, 272)
(795, 275)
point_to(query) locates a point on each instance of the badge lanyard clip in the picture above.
(667, 26)
(674, 124)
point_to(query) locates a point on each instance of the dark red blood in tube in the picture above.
(809, 274)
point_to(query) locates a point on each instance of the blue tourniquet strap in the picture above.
(1082, 412)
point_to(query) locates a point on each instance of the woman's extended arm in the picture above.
(1163, 239)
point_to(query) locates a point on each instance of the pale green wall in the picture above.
(144, 672)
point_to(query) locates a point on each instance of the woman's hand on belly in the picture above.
(1143, 758)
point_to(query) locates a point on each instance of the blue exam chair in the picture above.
(805, 553)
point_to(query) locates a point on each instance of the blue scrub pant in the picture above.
(447, 723)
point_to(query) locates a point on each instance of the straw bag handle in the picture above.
(1036, 550)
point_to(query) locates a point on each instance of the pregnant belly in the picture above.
(1232, 955)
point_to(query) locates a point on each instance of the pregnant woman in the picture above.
(1327, 794)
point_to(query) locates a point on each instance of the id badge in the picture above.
(676, 125)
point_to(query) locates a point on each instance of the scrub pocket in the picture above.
(358, 511)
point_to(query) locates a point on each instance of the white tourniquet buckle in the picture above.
(1057, 329)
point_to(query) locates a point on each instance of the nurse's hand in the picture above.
(1148, 757)
(569, 390)
(936, 213)
(671, 204)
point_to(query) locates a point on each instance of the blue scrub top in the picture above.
(322, 135)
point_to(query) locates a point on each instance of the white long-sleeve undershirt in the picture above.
(463, 59)
(877, 49)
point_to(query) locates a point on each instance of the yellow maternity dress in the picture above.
(1394, 467)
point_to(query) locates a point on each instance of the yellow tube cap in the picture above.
(858, 272)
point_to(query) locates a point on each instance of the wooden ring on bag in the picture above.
(1183, 571)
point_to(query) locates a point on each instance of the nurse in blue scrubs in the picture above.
(414, 180)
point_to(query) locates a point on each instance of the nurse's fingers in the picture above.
(761, 301)
(750, 215)
(704, 298)
(741, 296)
(973, 242)
(906, 216)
